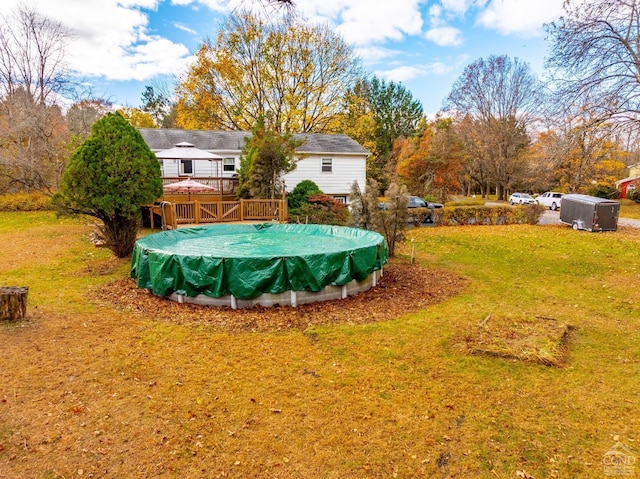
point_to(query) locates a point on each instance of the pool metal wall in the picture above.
(288, 298)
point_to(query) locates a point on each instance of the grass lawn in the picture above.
(629, 209)
(91, 388)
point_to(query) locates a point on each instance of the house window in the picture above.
(186, 167)
(228, 164)
(161, 168)
(327, 165)
(341, 199)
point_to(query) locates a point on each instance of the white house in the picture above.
(333, 162)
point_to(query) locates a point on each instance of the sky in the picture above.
(121, 46)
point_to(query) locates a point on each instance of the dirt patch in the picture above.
(404, 288)
(538, 340)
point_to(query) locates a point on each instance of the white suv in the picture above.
(550, 199)
(521, 199)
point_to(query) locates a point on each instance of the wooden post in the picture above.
(13, 303)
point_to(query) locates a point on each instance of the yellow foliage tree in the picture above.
(591, 156)
(138, 118)
(292, 74)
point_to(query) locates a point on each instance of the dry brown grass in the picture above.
(106, 381)
(538, 340)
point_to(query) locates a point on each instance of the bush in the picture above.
(634, 195)
(604, 191)
(300, 195)
(489, 215)
(323, 210)
(25, 202)
(419, 216)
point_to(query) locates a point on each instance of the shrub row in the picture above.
(487, 215)
(25, 202)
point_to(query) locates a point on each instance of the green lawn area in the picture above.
(93, 390)
(629, 209)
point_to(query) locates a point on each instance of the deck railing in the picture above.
(221, 186)
(196, 212)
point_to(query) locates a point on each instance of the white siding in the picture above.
(345, 170)
(201, 168)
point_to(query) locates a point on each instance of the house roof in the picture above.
(627, 180)
(215, 140)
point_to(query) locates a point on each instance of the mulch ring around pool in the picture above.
(403, 288)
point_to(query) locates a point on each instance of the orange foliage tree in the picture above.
(430, 163)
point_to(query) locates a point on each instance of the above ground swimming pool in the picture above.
(241, 265)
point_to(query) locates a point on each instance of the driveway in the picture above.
(553, 218)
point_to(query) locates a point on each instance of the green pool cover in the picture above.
(247, 260)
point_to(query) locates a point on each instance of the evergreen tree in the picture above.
(300, 195)
(110, 176)
(266, 157)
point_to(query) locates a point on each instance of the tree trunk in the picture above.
(13, 303)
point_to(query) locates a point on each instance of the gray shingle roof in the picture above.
(212, 140)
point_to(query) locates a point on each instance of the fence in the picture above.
(197, 212)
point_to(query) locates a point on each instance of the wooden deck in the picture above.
(171, 214)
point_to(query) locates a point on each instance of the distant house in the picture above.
(333, 162)
(627, 185)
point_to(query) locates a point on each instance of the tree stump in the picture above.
(13, 303)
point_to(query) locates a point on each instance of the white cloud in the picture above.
(111, 38)
(440, 33)
(184, 28)
(373, 54)
(367, 21)
(401, 74)
(444, 36)
(524, 17)
(406, 73)
(459, 7)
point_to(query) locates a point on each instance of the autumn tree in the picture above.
(390, 221)
(137, 117)
(595, 55)
(590, 153)
(396, 114)
(430, 162)
(83, 114)
(376, 113)
(109, 177)
(157, 102)
(32, 76)
(267, 155)
(287, 71)
(476, 174)
(356, 117)
(544, 156)
(497, 98)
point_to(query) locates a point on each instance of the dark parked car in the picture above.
(420, 211)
